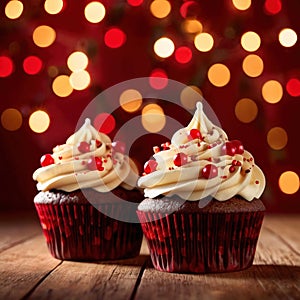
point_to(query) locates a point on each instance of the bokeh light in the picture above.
(80, 80)
(114, 38)
(39, 121)
(53, 7)
(293, 87)
(160, 8)
(77, 61)
(192, 26)
(203, 42)
(289, 182)
(11, 119)
(189, 9)
(253, 65)
(189, 96)
(14, 9)
(272, 91)
(104, 122)
(131, 100)
(135, 2)
(153, 118)
(94, 12)
(32, 65)
(61, 86)
(287, 37)
(246, 110)
(277, 138)
(44, 36)
(272, 7)
(250, 41)
(164, 47)
(241, 4)
(6, 66)
(218, 75)
(183, 54)
(158, 79)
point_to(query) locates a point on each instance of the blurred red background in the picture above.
(121, 55)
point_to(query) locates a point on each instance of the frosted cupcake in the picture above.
(202, 211)
(84, 187)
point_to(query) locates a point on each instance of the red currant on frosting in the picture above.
(195, 134)
(209, 171)
(180, 159)
(83, 147)
(46, 160)
(95, 163)
(229, 148)
(118, 146)
(239, 146)
(150, 166)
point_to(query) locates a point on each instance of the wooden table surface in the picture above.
(28, 271)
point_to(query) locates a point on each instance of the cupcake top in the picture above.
(199, 162)
(88, 159)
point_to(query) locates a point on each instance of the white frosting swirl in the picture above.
(70, 169)
(237, 174)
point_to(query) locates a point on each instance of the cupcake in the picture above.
(202, 211)
(87, 194)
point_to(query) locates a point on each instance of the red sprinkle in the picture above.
(156, 149)
(60, 157)
(231, 169)
(46, 160)
(83, 147)
(180, 159)
(150, 166)
(256, 181)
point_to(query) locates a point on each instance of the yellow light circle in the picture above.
(77, 61)
(53, 7)
(272, 91)
(246, 110)
(14, 9)
(44, 36)
(131, 100)
(241, 4)
(153, 118)
(61, 86)
(39, 121)
(11, 119)
(192, 26)
(277, 138)
(189, 96)
(164, 47)
(289, 182)
(80, 80)
(203, 42)
(218, 75)
(287, 37)
(253, 65)
(250, 41)
(94, 12)
(160, 8)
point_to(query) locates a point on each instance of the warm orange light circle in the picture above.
(272, 91)
(11, 119)
(253, 65)
(289, 182)
(277, 138)
(218, 75)
(246, 110)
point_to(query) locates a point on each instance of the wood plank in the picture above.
(16, 228)
(23, 266)
(275, 275)
(75, 280)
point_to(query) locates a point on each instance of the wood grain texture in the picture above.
(15, 229)
(23, 266)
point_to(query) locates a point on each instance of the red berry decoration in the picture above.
(46, 160)
(180, 159)
(229, 148)
(195, 134)
(209, 171)
(239, 146)
(150, 166)
(118, 146)
(95, 163)
(83, 147)
(231, 169)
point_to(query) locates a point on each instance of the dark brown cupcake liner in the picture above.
(201, 242)
(78, 231)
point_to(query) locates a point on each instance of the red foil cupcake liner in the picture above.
(81, 232)
(201, 242)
